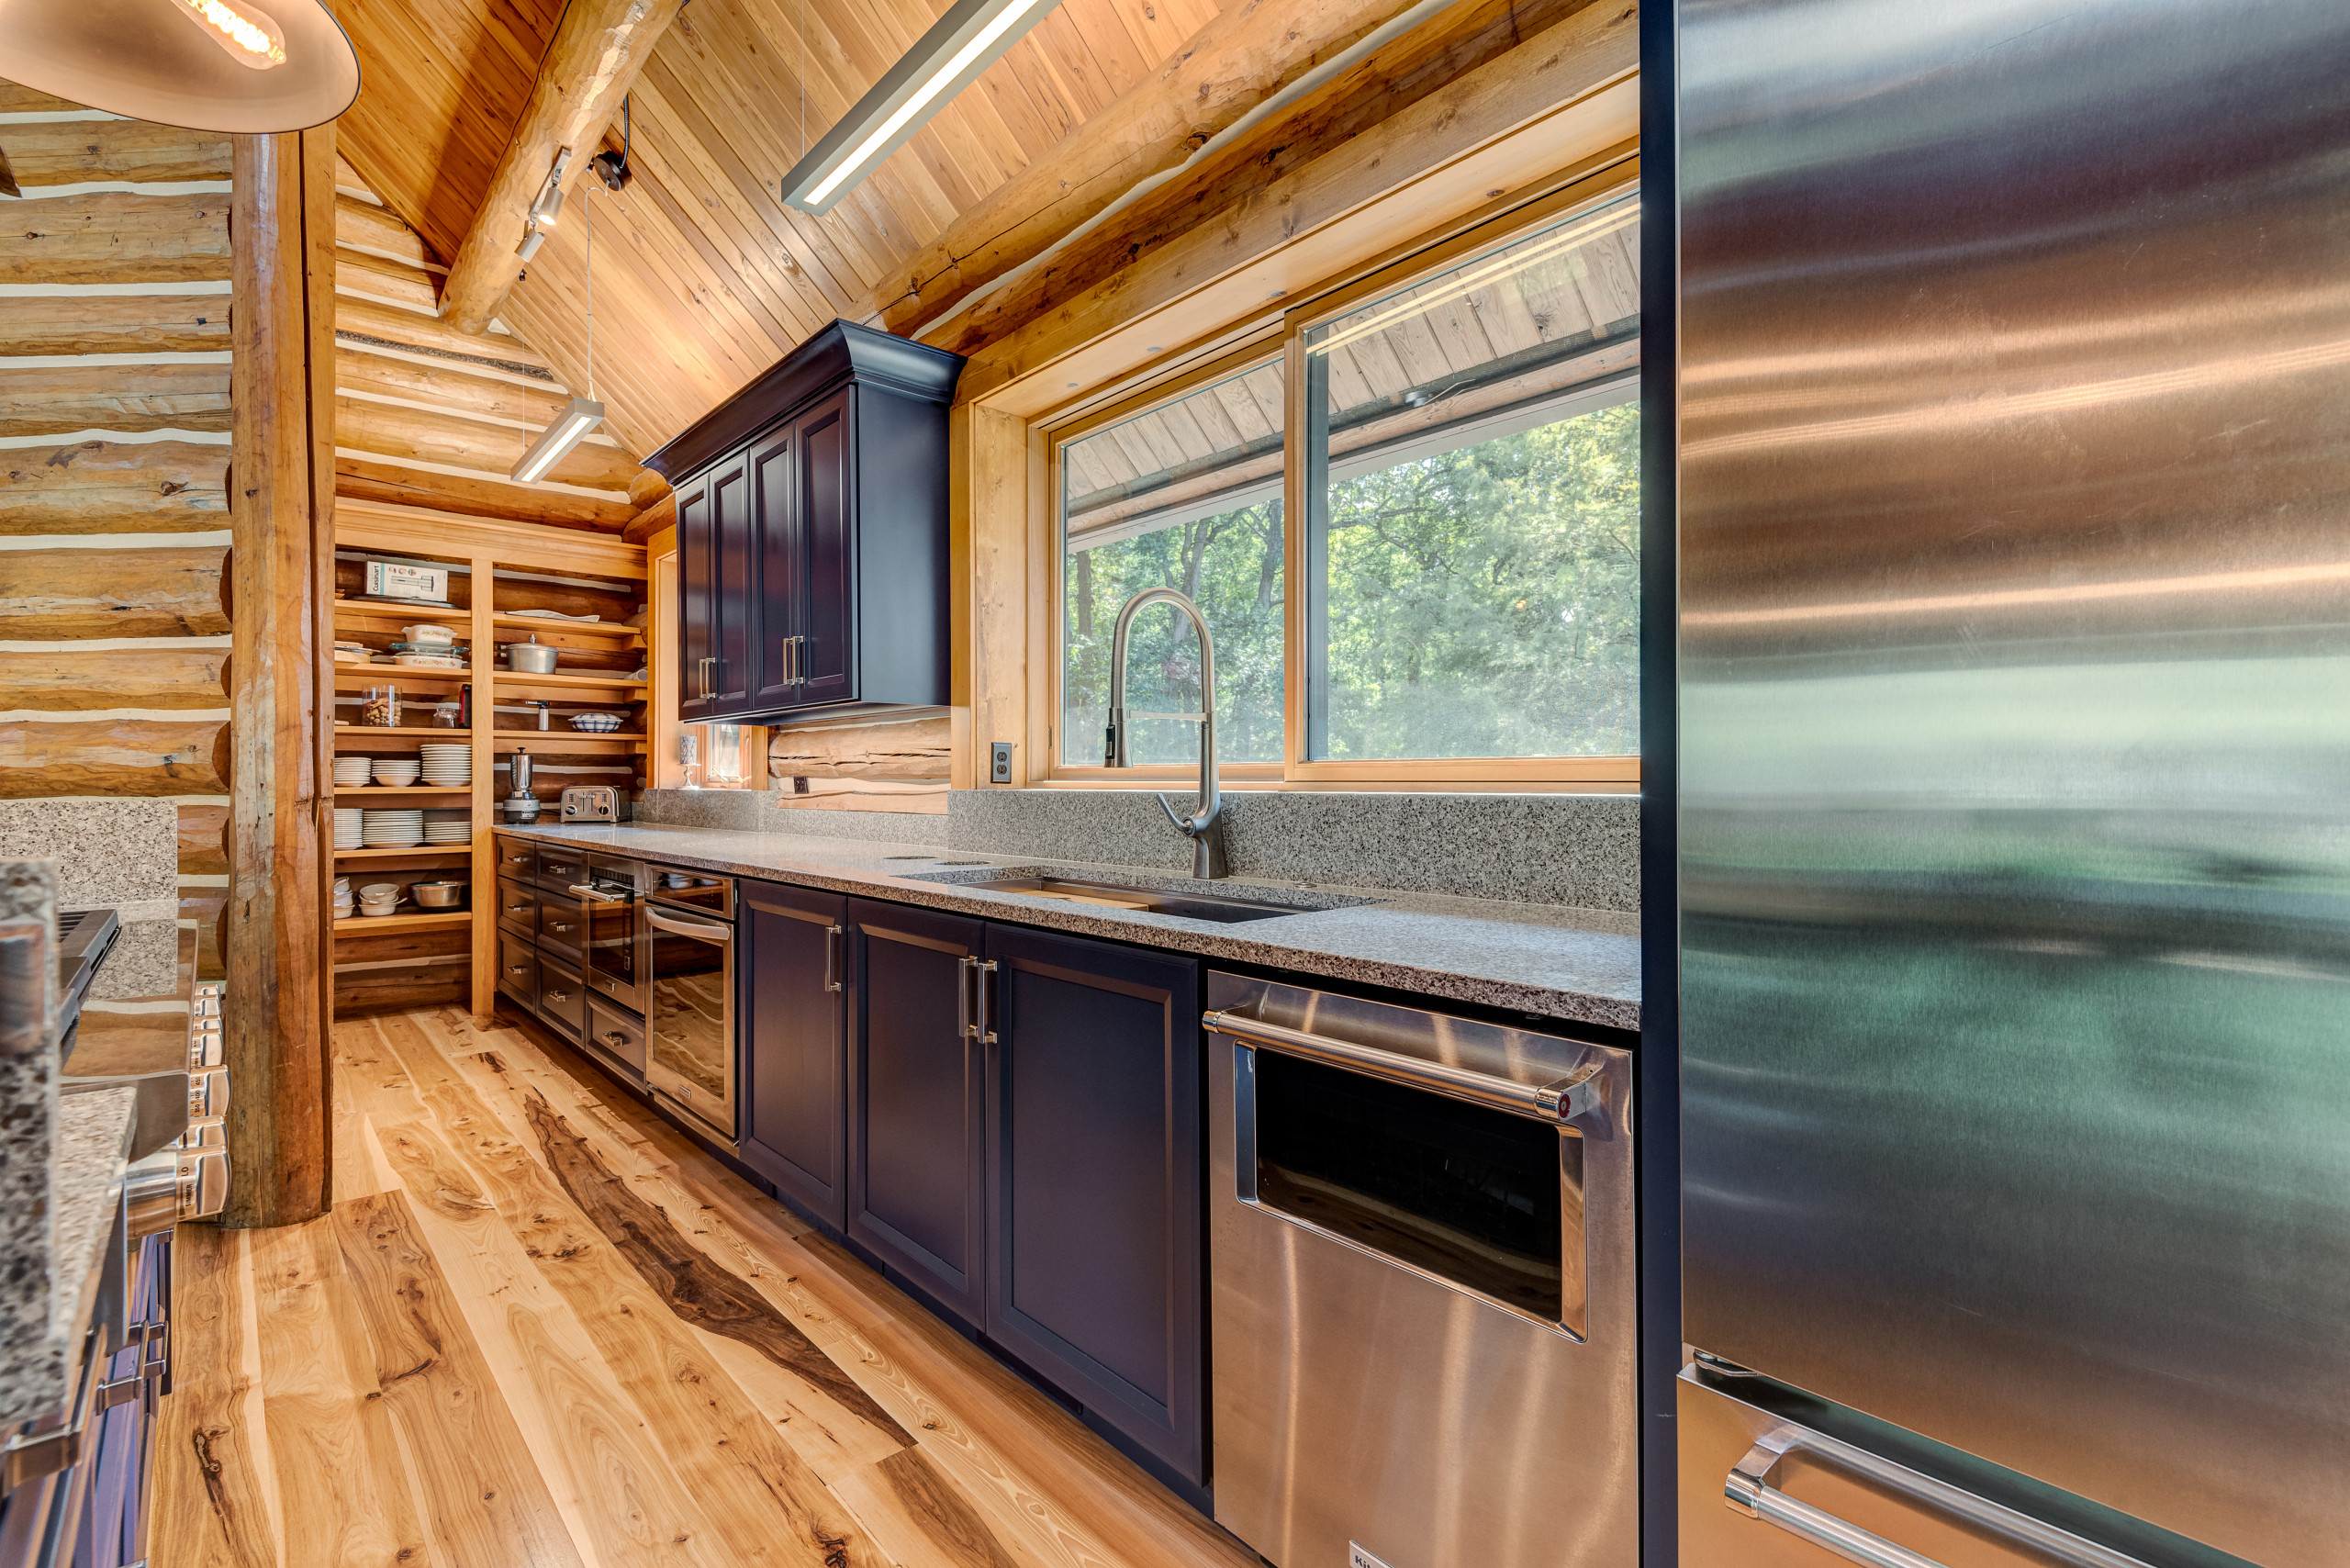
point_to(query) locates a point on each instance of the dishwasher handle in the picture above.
(1576, 1095)
(701, 931)
(1751, 1489)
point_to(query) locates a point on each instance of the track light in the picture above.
(570, 428)
(533, 237)
(550, 203)
(963, 42)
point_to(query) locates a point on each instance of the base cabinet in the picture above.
(794, 1059)
(1093, 1193)
(916, 1132)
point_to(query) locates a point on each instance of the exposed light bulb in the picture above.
(247, 33)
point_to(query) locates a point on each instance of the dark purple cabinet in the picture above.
(794, 1046)
(812, 534)
(1094, 1195)
(917, 1103)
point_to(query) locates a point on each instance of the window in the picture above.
(1187, 496)
(1457, 593)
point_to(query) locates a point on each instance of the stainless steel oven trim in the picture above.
(669, 1085)
(1564, 1100)
(654, 892)
(1574, 1247)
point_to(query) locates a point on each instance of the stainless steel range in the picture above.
(1422, 1313)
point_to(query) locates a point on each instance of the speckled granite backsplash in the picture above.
(122, 855)
(27, 1134)
(1583, 850)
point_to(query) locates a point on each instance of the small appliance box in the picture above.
(397, 579)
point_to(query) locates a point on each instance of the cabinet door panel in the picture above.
(782, 553)
(828, 522)
(1094, 1181)
(916, 1134)
(735, 590)
(793, 1101)
(696, 587)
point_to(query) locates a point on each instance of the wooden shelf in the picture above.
(573, 740)
(395, 675)
(413, 612)
(378, 925)
(593, 683)
(592, 627)
(371, 730)
(420, 849)
(379, 792)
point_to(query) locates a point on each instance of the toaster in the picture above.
(591, 803)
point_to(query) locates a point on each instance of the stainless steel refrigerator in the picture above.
(2015, 781)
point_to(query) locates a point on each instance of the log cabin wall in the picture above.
(113, 454)
(888, 764)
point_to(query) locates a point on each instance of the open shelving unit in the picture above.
(427, 957)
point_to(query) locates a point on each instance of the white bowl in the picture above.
(429, 633)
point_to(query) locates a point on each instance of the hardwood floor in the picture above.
(541, 1328)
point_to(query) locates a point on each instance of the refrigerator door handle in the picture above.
(1750, 1489)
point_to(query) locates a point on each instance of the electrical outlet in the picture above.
(1000, 763)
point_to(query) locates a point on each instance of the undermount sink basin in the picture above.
(1225, 908)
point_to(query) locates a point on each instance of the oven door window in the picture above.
(1471, 1194)
(612, 945)
(692, 1022)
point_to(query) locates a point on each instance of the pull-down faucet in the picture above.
(1206, 829)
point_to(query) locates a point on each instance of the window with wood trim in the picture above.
(1435, 578)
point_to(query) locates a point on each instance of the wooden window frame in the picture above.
(1284, 337)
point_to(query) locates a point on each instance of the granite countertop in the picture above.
(93, 1136)
(1577, 965)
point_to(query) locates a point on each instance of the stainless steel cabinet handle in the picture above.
(833, 934)
(559, 996)
(558, 925)
(1749, 1489)
(721, 935)
(598, 895)
(613, 1038)
(702, 667)
(518, 969)
(1561, 1101)
(964, 1027)
(982, 972)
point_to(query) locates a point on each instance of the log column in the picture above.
(274, 930)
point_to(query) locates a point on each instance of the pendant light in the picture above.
(241, 66)
(581, 415)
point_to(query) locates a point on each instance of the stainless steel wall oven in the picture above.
(689, 936)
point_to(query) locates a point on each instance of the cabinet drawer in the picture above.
(563, 1000)
(562, 928)
(617, 1037)
(517, 907)
(559, 871)
(518, 969)
(517, 857)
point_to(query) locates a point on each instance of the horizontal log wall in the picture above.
(890, 766)
(113, 463)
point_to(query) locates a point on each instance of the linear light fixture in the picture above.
(947, 58)
(570, 428)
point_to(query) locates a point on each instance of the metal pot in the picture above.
(439, 895)
(532, 657)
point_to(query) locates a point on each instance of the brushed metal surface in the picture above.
(2016, 735)
(1356, 1400)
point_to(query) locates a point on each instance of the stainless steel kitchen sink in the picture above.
(1225, 908)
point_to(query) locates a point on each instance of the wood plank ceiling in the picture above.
(703, 279)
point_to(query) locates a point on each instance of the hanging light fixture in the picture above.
(943, 61)
(224, 65)
(581, 415)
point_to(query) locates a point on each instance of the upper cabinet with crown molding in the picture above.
(812, 533)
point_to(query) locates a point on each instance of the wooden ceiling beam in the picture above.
(1237, 62)
(589, 68)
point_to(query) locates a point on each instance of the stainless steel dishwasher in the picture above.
(1421, 1233)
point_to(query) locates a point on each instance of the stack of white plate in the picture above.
(350, 772)
(447, 825)
(401, 829)
(446, 765)
(349, 827)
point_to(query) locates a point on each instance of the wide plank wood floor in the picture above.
(541, 1328)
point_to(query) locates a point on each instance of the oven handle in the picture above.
(1750, 1489)
(717, 935)
(599, 895)
(1575, 1095)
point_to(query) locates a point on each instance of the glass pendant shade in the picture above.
(242, 66)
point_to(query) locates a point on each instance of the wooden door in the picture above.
(916, 1140)
(1094, 1182)
(735, 590)
(779, 604)
(697, 616)
(828, 513)
(794, 1125)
